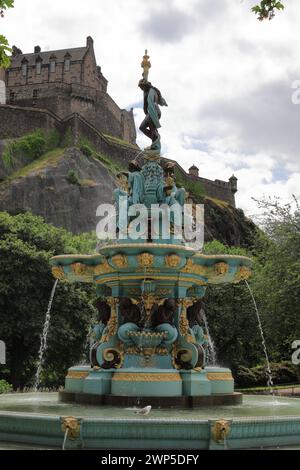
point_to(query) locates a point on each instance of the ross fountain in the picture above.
(149, 343)
(150, 348)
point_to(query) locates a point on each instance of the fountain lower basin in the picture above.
(37, 419)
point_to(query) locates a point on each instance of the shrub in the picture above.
(5, 387)
(31, 146)
(73, 178)
(86, 150)
(282, 373)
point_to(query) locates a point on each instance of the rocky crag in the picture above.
(65, 187)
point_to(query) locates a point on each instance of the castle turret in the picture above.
(233, 184)
(89, 41)
(194, 170)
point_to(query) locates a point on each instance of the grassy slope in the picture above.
(48, 159)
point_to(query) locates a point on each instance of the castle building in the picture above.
(65, 91)
(65, 82)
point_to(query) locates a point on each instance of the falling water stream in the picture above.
(65, 439)
(212, 355)
(44, 335)
(270, 383)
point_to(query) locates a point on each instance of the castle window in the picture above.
(52, 66)
(67, 65)
(38, 68)
(35, 94)
(24, 70)
(12, 97)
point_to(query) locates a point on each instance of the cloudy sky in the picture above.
(227, 78)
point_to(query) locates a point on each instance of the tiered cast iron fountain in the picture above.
(149, 347)
(150, 344)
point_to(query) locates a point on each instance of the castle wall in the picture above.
(18, 121)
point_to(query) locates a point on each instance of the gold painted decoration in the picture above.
(132, 350)
(219, 376)
(221, 430)
(120, 260)
(110, 354)
(77, 374)
(192, 268)
(58, 272)
(149, 300)
(221, 268)
(144, 377)
(72, 425)
(104, 268)
(184, 326)
(169, 181)
(120, 277)
(172, 261)
(122, 180)
(180, 353)
(163, 292)
(80, 269)
(161, 351)
(146, 65)
(145, 260)
(112, 325)
(243, 273)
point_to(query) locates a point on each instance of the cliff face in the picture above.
(227, 224)
(65, 187)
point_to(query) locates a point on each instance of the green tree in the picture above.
(266, 9)
(4, 46)
(276, 283)
(26, 245)
(231, 318)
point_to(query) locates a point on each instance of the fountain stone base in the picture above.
(151, 386)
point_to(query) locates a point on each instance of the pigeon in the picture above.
(144, 411)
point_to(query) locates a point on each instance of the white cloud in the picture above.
(226, 77)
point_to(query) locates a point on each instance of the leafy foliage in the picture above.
(5, 387)
(87, 149)
(4, 46)
(283, 373)
(196, 189)
(73, 178)
(276, 287)
(32, 146)
(266, 9)
(26, 245)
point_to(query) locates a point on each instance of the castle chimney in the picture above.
(16, 51)
(194, 171)
(89, 41)
(37, 49)
(233, 184)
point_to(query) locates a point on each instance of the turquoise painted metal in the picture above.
(38, 419)
(150, 340)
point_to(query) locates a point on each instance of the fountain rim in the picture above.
(149, 246)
